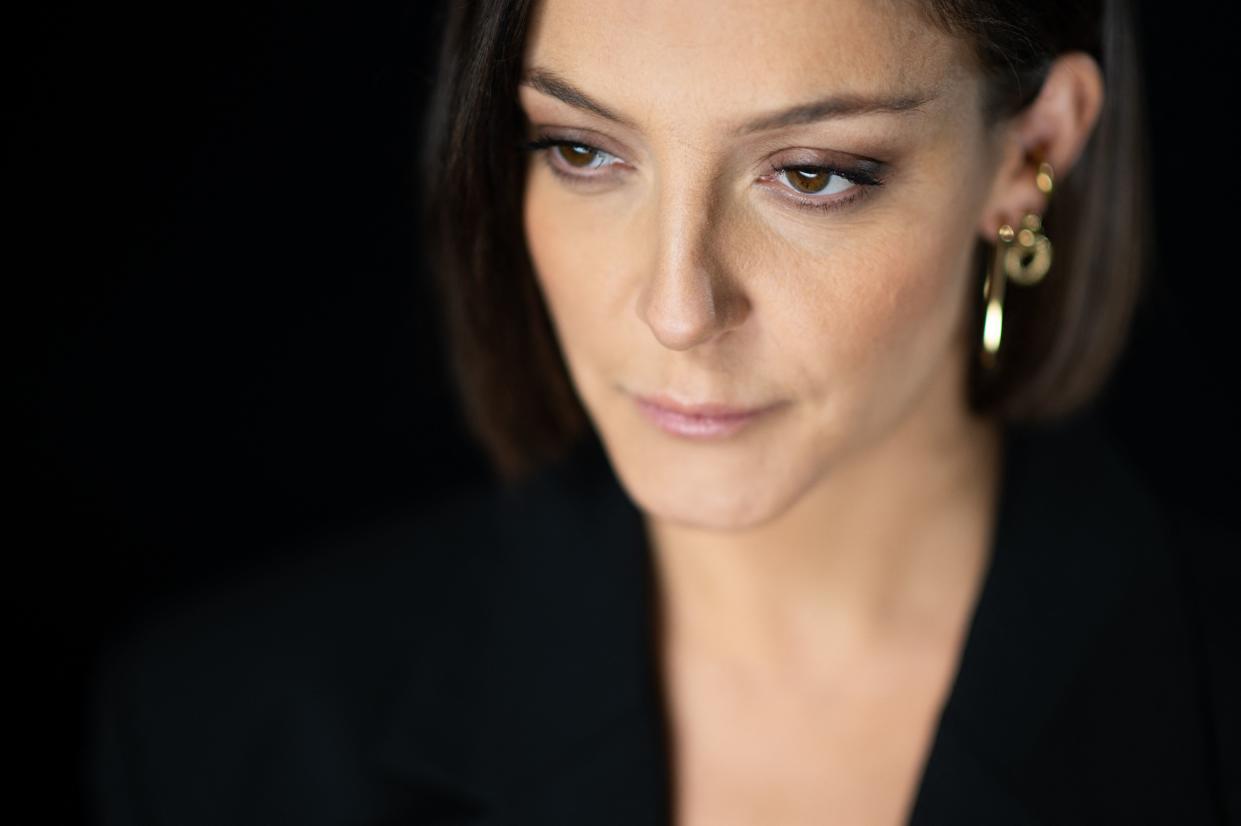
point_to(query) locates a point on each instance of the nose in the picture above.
(690, 295)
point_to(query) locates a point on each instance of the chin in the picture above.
(725, 505)
(712, 488)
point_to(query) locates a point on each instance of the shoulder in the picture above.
(282, 676)
(1089, 494)
(1097, 516)
(376, 585)
(1128, 600)
(1207, 555)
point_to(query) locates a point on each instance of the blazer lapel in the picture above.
(579, 732)
(1051, 591)
(553, 716)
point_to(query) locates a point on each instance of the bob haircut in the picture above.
(1061, 340)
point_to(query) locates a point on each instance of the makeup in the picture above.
(712, 421)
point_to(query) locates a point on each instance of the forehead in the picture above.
(733, 57)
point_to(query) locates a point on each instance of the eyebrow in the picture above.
(835, 106)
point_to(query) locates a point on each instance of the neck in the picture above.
(887, 545)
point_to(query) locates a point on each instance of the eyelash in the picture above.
(864, 182)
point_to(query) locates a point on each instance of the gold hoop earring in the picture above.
(1023, 255)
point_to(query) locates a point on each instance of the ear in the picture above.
(1056, 124)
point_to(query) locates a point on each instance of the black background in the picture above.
(224, 340)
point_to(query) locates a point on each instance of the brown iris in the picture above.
(809, 181)
(577, 155)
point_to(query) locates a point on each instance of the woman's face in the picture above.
(691, 245)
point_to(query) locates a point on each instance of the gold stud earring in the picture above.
(1024, 255)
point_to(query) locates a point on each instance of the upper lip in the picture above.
(711, 409)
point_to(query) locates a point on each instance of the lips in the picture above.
(710, 410)
(698, 421)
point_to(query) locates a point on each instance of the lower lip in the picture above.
(696, 427)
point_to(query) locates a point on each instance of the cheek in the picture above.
(873, 317)
(559, 257)
(898, 295)
(572, 251)
(905, 299)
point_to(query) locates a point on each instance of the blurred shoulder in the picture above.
(345, 683)
(1081, 491)
(374, 581)
(1207, 550)
(283, 677)
(1146, 583)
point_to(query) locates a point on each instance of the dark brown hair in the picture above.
(1061, 339)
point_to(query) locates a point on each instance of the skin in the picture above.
(818, 569)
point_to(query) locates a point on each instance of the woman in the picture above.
(756, 308)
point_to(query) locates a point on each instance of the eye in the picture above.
(821, 183)
(572, 159)
(814, 181)
(581, 156)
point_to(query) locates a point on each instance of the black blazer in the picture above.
(492, 662)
